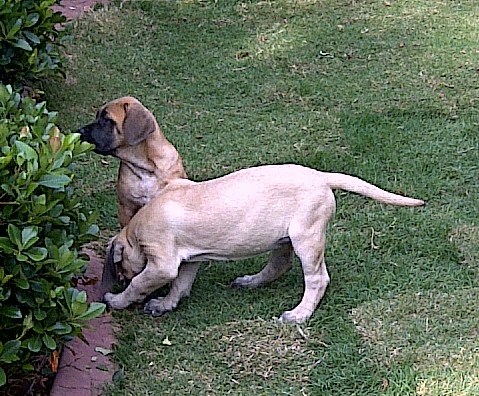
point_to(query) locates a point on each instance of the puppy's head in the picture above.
(125, 259)
(120, 123)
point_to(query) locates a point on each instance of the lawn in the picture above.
(384, 90)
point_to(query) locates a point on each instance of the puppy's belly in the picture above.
(235, 253)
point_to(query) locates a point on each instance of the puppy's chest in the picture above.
(145, 190)
(141, 189)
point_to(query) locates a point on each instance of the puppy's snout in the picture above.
(85, 134)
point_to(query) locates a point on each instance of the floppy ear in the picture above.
(113, 255)
(138, 123)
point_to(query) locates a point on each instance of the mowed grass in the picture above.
(385, 90)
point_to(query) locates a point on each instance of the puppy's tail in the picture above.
(359, 186)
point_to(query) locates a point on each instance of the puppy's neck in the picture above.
(154, 157)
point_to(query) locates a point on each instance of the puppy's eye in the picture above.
(106, 121)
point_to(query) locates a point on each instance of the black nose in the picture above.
(85, 134)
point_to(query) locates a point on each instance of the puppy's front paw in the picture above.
(114, 301)
(157, 307)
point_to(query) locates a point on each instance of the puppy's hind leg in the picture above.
(309, 244)
(180, 287)
(280, 262)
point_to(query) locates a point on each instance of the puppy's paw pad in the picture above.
(153, 312)
(244, 281)
(292, 317)
(156, 307)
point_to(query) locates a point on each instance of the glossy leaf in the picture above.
(61, 328)
(22, 283)
(28, 234)
(14, 29)
(32, 19)
(10, 351)
(11, 312)
(49, 342)
(3, 377)
(95, 309)
(6, 245)
(23, 44)
(37, 253)
(35, 343)
(54, 181)
(15, 235)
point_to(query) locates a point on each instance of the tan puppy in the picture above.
(245, 213)
(127, 130)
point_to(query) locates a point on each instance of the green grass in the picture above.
(385, 90)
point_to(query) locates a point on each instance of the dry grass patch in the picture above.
(435, 332)
(258, 349)
(466, 239)
(233, 358)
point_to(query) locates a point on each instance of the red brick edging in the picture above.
(85, 368)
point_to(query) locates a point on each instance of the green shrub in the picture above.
(42, 225)
(30, 45)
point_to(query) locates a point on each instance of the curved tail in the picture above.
(354, 184)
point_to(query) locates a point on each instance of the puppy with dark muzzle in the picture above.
(125, 129)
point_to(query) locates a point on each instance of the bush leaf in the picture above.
(10, 351)
(23, 44)
(15, 235)
(3, 377)
(15, 28)
(54, 181)
(22, 283)
(11, 312)
(49, 342)
(37, 253)
(39, 314)
(28, 234)
(35, 344)
(6, 245)
(32, 37)
(61, 328)
(95, 309)
(32, 19)
(25, 151)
